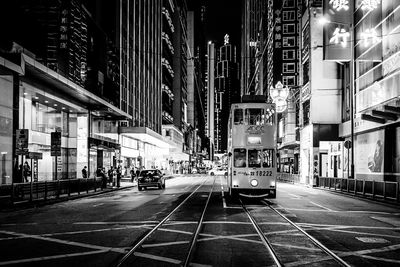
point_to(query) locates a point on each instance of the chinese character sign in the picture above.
(337, 31)
(339, 5)
(340, 36)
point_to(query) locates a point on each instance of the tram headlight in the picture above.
(254, 182)
(272, 184)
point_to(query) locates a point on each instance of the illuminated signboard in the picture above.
(370, 5)
(336, 30)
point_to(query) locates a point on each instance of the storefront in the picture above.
(50, 103)
(377, 91)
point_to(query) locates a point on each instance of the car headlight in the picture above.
(254, 182)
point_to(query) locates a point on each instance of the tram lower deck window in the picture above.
(268, 155)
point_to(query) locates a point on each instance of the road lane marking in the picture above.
(199, 265)
(97, 230)
(65, 242)
(165, 244)
(223, 196)
(52, 257)
(323, 207)
(348, 226)
(372, 240)
(180, 222)
(97, 205)
(158, 258)
(380, 259)
(117, 222)
(294, 196)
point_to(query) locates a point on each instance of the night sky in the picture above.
(223, 16)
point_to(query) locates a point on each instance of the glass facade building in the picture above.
(376, 91)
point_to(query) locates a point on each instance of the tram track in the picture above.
(274, 251)
(192, 243)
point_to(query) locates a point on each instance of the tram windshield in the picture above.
(268, 158)
(254, 116)
(239, 157)
(255, 158)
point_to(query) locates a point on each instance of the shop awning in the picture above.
(62, 87)
(289, 145)
(145, 135)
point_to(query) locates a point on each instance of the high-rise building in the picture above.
(60, 74)
(286, 64)
(210, 95)
(320, 97)
(370, 103)
(256, 45)
(140, 38)
(227, 91)
(195, 72)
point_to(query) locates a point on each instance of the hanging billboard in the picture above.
(337, 15)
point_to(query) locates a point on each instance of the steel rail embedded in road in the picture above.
(264, 239)
(196, 234)
(315, 241)
(140, 242)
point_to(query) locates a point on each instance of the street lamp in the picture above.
(324, 21)
(279, 94)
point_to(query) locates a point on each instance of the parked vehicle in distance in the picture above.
(218, 171)
(194, 171)
(151, 178)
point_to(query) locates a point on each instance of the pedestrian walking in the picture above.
(119, 174)
(111, 175)
(26, 171)
(84, 172)
(133, 174)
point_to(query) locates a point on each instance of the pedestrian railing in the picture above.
(45, 190)
(373, 189)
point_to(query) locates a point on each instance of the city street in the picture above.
(100, 230)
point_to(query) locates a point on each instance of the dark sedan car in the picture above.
(151, 178)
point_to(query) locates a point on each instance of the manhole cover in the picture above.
(372, 240)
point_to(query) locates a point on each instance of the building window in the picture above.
(288, 54)
(289, 41)
(288, 3)
(289, 28)
(289, 67)
(306, 113)
(289, 15)
(289, 80)
(306, 74)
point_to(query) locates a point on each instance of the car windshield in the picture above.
(148, 173)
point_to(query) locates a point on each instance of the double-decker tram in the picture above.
(252, 148)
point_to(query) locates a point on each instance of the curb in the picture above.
(40, 203)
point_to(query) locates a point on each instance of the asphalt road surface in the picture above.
(101, 230)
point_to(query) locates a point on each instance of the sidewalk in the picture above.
(125, 183)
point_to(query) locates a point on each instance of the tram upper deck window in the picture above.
(268, 158)
(238, 116)
(269, 117)
(239, 157)
(254, 116)
(254, 158)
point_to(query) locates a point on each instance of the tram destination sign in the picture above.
(56, 144)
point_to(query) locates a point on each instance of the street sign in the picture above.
(56, 144)
(34, 155)
(347, 144)
(22, 136)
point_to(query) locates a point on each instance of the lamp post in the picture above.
(325, 21)
(279, 94)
